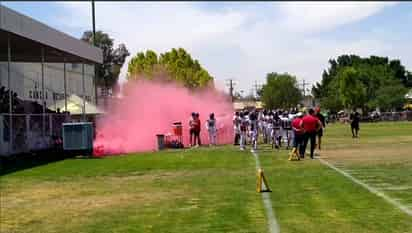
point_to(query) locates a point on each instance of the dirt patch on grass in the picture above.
(401, 153)
(348, 142)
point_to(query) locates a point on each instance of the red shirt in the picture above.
(197, 124)
(296, 124)
(310, 123)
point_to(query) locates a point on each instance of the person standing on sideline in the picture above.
(277, 137)
(211, 128)
(236, 126)
(286, 128)
(321, 118)
(192, 129)
(197, 127)
(269, 127)
(253, 135)
(311, 125)
(298, 133)
(243, 131)
(355, 119)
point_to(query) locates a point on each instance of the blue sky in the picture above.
(244, 40)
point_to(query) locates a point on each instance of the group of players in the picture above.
(277, 127)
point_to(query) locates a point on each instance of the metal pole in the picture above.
(42, 92)
(10, 96)
(65, 85)
(94, 44)
(94, 24)
(84, 95)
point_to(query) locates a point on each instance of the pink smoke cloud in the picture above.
(149, 108)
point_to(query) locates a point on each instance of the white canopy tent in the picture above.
(75, 106)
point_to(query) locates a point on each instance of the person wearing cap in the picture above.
(311, 125)
(323, 124)
(298, 134)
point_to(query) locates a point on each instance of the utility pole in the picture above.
(304, 87)
(257, 87)
(231, 85)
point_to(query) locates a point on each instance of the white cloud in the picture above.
(235, 42)
(318, 16)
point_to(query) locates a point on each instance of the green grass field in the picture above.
(213, 189)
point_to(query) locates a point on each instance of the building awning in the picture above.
(247, 104)
(75, 106)
(29, 35)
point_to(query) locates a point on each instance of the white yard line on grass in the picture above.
(392, 201)
(272, 223)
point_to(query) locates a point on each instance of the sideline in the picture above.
(369, 188)
(272, 223)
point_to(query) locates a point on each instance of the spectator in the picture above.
(311, 125)
(298, 132)
(192, 129)
(236, 125)
(321, 118)
(197, 127)
(211, 128)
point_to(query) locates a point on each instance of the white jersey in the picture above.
(269, 121)
(236, 123)
(211, 124)
(286, 123)
(244, 123)
(277, 123)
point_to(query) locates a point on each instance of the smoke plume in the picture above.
(149, 108)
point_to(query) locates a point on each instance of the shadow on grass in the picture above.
(21, 162)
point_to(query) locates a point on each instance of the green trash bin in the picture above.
(160, 141)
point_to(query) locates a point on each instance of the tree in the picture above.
(399, 72)
(352, 91)
(113, 58)
(176, 65)
(333, 101)
(391, 96)
(280, 91)
(372, 73)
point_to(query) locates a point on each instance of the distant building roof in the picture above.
(26, 27)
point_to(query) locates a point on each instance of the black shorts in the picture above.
(355, 126)
(196, 132)
(320, 133)
(192, 131)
